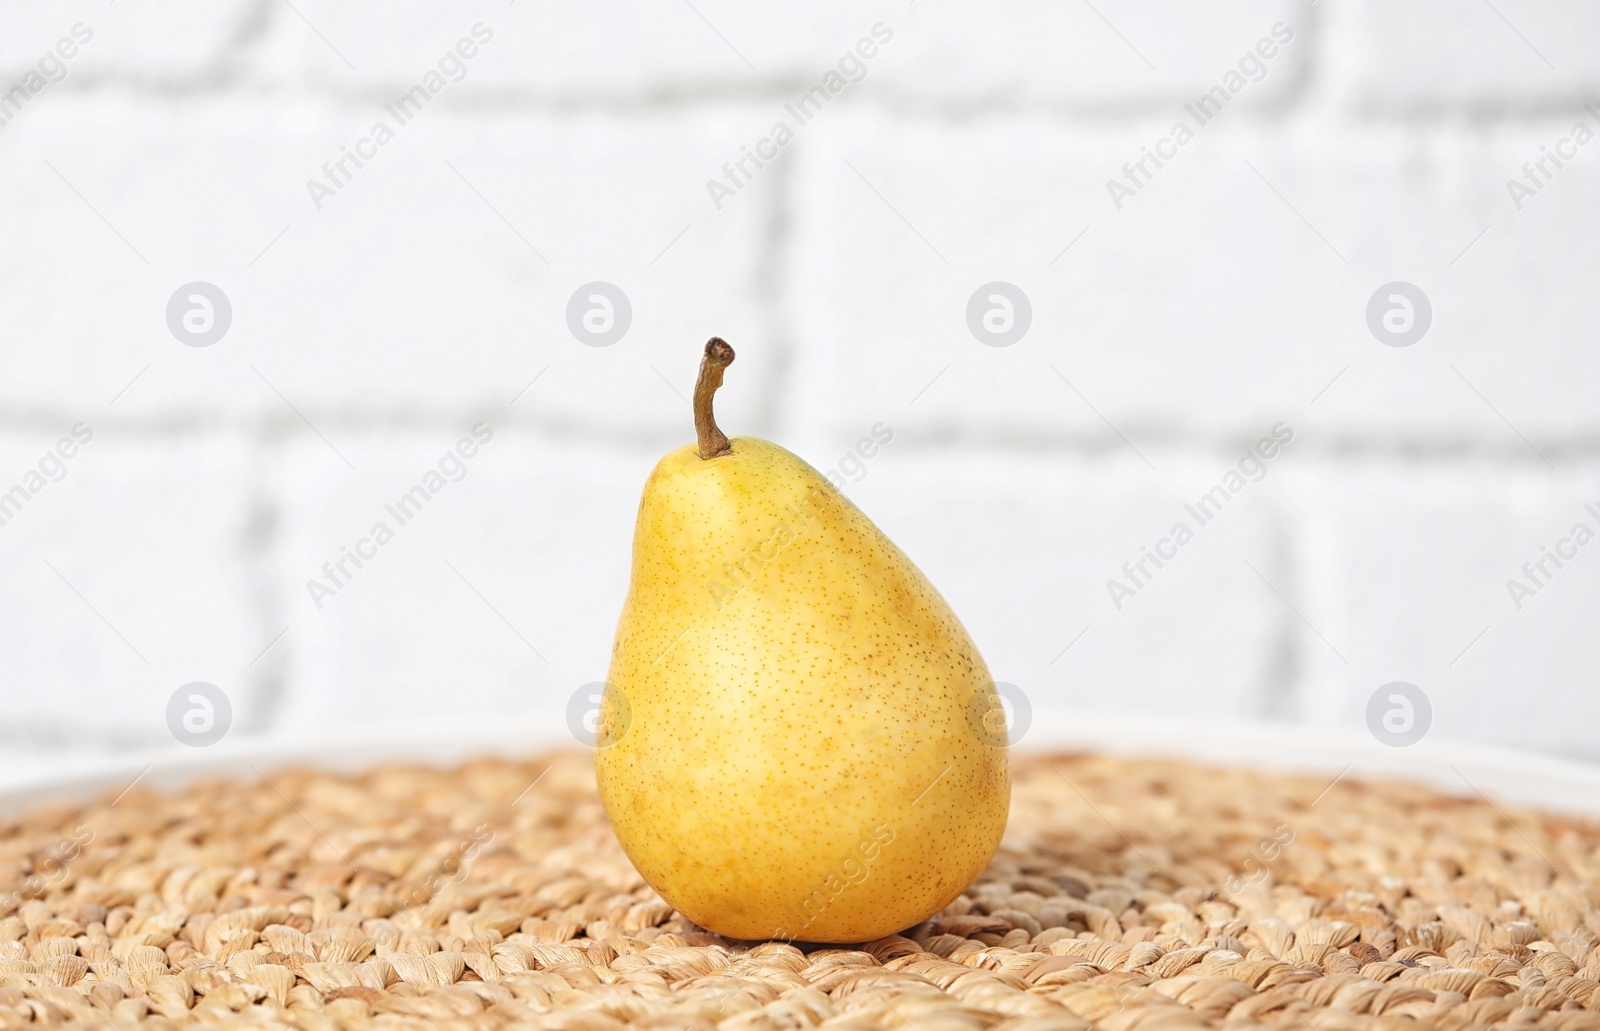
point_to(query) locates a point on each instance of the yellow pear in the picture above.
(798, 740)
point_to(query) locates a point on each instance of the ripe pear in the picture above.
(798, 740)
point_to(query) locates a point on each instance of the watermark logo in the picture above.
(1537, 572)
(51, 69)
(450, 69)
(999, 314)
(1537, 174)
(739, 575)
(999, 714)
(740, 171)
(1251, 468)
(1257, 865)
(199, 314)
(452, 868)
(852, 465)
(599, 314)
(52, 468)
(854, 868)
(50, 868)
(337, 573)
(199, 714)
(599, 714)
(1399, 314)
(1251, 68)
(1399, 714)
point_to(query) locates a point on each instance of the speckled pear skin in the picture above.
(803, 752)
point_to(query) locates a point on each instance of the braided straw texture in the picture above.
(1129, 894)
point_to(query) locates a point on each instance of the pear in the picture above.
(798, 739)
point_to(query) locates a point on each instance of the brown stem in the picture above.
(713, 442)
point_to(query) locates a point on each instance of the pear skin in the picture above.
(798, 738)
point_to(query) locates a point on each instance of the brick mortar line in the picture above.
(775, 291)
(50, 736)
(266, 601)
(1353, 118)
(222, 83)
(226, 67)
(271, 433)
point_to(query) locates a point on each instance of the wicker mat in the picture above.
(1129, 894)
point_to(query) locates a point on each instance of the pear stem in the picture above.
(718, 356)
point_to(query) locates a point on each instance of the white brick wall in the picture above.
(1406, 573)
(1022, 547)
(181, 42)
(1040, 53)
(1168, 333)
(497, 597)
(142, 568)
(1436, 55)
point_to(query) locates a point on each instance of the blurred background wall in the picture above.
(1156, 318)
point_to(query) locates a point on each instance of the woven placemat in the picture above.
(1129, 894)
